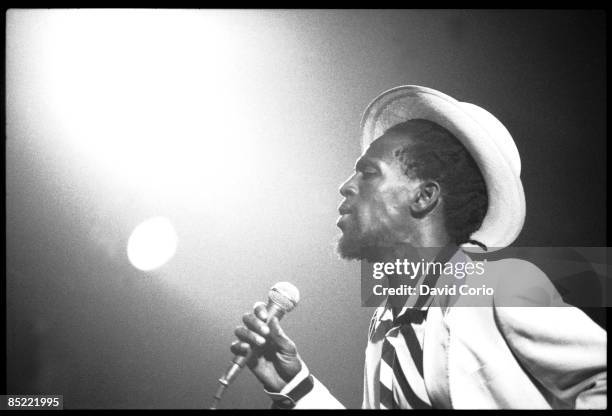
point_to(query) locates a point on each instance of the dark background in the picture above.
(82, 322)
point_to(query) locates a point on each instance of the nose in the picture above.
(349, 187)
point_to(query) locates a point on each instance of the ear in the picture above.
(426, 198)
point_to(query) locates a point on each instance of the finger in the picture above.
(240, 348)
(278, 336)
(261, 311)
(249, 336)
(255, 324)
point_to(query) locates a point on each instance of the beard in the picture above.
(370, 246)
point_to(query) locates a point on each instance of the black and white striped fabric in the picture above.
(403, 387)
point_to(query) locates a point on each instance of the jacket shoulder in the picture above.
(519, 282)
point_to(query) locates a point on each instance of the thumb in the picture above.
(279, 338)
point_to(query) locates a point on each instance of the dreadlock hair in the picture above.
(434, 153)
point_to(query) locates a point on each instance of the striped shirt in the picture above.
(408, 345)
(408, 354)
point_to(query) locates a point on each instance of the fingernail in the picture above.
(265, 330)
(260, 340)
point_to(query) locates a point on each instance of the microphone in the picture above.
(283, 297)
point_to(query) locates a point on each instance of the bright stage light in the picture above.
(152, 244)
(158, 103)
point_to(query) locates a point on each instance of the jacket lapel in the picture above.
(436, 341)
(435, 358)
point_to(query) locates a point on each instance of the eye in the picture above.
(369, 172)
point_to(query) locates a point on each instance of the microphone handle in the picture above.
(239, 361)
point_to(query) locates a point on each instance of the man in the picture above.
(438, 173)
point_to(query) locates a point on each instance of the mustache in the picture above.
(345, 208)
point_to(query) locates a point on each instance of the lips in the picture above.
(344, 209)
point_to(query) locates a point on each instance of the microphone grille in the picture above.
(285, 295)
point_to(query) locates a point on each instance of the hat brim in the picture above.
(500, 169)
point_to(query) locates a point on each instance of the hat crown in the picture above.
(498, 133)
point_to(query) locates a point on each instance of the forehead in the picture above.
(384, 147)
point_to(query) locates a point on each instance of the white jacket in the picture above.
(502, 356)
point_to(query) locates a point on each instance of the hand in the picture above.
(275, 360)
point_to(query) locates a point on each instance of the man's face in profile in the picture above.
(376, 210)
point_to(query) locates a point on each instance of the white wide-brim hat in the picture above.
(483, 135)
